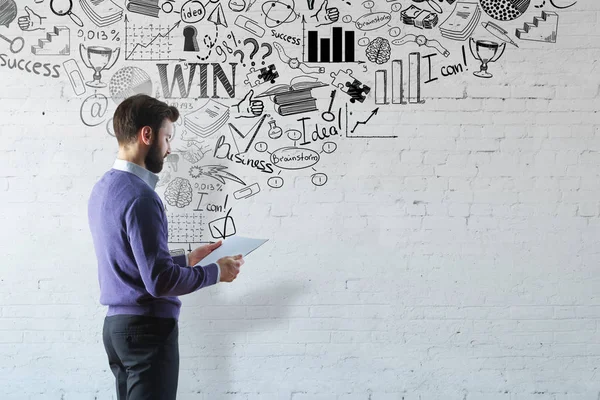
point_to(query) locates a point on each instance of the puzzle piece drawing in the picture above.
(350, 85)
(266, 74)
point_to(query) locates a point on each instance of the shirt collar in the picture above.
(142, 173)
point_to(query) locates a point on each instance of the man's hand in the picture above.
(200, 252)
(230, 267)
(31, 21)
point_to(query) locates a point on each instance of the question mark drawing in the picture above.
(255, 44)
(268, 53)
(241, 54)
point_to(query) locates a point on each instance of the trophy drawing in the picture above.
(485, 51)
(98, 58)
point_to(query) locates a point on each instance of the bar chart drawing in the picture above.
(339, 47)
(398, 75)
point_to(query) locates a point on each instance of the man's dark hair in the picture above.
(138, 111)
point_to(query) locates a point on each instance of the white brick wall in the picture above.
(458, 261)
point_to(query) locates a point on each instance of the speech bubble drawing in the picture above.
(372, 21)
(294, 158)
(192, 11)
(8, 12)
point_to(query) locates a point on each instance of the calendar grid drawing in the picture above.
(185, 227)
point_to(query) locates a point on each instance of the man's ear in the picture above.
(146, 132)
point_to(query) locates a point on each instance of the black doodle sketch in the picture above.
(373, 21)
(542, 29)
(419, 18)
(237, 5)
(373, 113)
(364, 136)
(235, 133)
(217, 16)
(246, 192)
(275, 182)
(505, 10)
(218, 75)
(318, 179)
(325, 15)
(144, 7)
(16, 44)
(294, 63)
(190, 40)
(485, 51)
(179, 193)
(436, 7)
(222, 228)
(31, 21)
(294, 158)
(194, 152)
(541, 5)
(562, 7)
(422, 40)
(275, 132)
(340, 48)
(102, 12)
(129, 81)
(249, 107)
(461, 23)
(8, 12)
(93, 109)
(350, 85)
(192, 11)
(207, 119)
(75, 76)
(379, 50)
(414, 78)
(279, 12)
(294, 98)
(249, 25)
(499, 32)
(328, 115)
(267, 74)
(56, 43)
(185, 227)
(98, 58)
(154, 49)
(216, 172)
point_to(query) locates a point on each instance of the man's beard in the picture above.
(154, 159)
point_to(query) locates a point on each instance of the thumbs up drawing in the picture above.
(325, 15)
(248, 107)
(31, 21)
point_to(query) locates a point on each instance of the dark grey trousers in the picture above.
(143, 354)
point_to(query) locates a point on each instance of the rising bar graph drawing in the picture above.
(397, 85)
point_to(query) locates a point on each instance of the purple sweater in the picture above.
(136, 271)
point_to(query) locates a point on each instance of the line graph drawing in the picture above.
(152, 43)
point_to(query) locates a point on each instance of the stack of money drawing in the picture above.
(413, 15)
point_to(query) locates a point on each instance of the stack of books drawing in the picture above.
(207, 119)
(102, 12)
(462, 22)
(145, 7)
(294, 98)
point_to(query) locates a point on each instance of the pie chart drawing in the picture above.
(504, 10)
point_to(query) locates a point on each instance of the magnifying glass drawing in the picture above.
(16, 44)
(61, 11)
